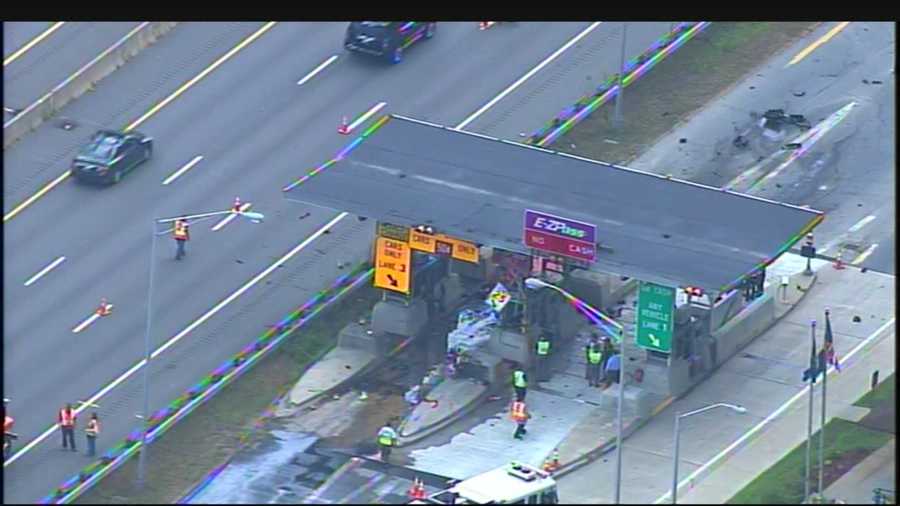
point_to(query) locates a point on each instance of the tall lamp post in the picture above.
(535, 284)
(252, 216)
(734, 407)
(617, 120)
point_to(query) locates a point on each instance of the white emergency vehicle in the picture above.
(512, 484)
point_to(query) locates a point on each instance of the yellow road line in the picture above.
(46, 33)
(823, 39)
(62, 177)
(864, 255)
(201, 75)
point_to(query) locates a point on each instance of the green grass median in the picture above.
(846, 444)
(185, 454)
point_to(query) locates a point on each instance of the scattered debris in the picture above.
(682, 140)
(793, 145)
(799, 93)
(876, 82)
(753, 87)
(740, 142)
(865, 81)
(610, 141)
(856, 319)
(305, 215)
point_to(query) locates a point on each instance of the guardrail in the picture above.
(83, 79)
(634, 68)
(165, 418)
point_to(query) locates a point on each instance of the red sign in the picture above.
(567, 247)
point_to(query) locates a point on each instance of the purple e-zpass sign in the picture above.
(574, 239)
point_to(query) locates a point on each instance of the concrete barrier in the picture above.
(83, 79)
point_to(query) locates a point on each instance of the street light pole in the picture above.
(536, 283)
(733, 407)
(142, 459)
(619, 96)
(145, 418)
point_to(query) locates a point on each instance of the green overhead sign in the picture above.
(655, 317)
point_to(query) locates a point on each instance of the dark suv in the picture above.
(387, 38)
(109, 155)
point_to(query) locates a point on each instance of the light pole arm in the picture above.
(707, 408)
(586, 306)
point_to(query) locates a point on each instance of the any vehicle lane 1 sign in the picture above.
(563, 236)
(392, 265)
(656, 317)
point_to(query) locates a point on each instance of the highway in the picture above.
(51, 59)
(256, 130)
(848, 171)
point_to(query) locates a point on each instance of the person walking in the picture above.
(67, 419)
(519, 414)
(520, 383)
(611, 372)
(542, 357)
(594, 361)
(90, 433)
(181, 234)
(607, 350)
(387, 439)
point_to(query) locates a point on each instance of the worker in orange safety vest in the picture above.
(67, 419)
(519, 414)
(181, 234)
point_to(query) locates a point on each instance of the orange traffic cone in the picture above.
(838, 261)
(343, 130)
(105, 308)
(237, 205)
(417, 491)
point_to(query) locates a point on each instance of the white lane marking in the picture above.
(45, 270)
(89, 320)
(855, 228)
(528, 74)
(318, 69)
(46, 33)
(864, 255)
(772, 416)
(52, 184)
(218, 226)
(862, 223)
(368, 114)
(137, 366)
(182, 170)
(206, 316)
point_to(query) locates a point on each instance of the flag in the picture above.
(829, 343)
(813, 370)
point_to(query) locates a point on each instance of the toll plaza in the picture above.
(459, 213)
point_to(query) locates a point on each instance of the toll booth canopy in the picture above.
(677, 233)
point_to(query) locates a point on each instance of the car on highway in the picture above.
(387, 39)
(109, 155)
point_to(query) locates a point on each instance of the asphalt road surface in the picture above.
(849, 173)
(256, 130)
(54, 58)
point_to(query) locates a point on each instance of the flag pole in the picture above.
(813, 365)
(825, 352)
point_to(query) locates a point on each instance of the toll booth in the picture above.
(497, 211)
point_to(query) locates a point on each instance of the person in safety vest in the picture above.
(519, 414)
(542, 356)
(67, 419)
(387, 439)
(8, 435)
(181, 234)
(520, 383)
(593, 355)
(90, 432)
